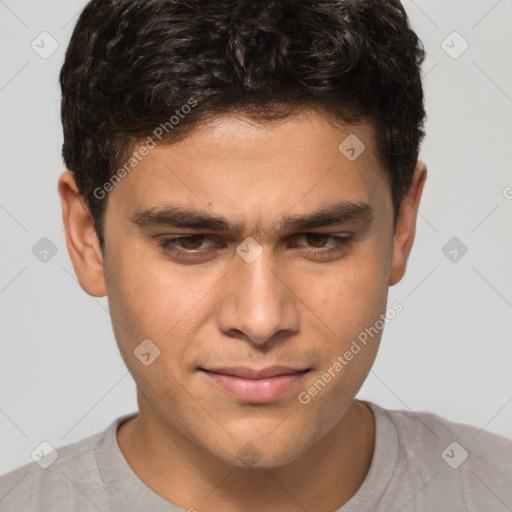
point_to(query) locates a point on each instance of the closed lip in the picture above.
(254, 374)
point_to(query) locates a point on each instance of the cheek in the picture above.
(351, 297)
(152, 301)
(151, 296)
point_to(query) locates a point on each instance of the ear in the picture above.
(406, 224)
(81, 239)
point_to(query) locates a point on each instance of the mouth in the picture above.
(252, 385)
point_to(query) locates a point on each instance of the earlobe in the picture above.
(406, 224)
(81, 238)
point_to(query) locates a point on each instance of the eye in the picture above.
(317, 244)
(190, 246)
(318, 239)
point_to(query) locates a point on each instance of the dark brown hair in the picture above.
(132, 64)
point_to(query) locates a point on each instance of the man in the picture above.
(243, 183)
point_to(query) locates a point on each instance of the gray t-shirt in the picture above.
(421, 463)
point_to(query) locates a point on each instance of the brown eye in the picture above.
(189, 247)
(316, 239)
(193, 242)
(318, 247)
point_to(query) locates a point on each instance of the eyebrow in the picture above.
(190, 218)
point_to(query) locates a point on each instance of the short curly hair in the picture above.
(131, 63)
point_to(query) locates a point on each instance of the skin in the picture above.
(288, 307)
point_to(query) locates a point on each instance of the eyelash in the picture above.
(167, 244)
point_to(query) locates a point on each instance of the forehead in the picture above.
(255, 171)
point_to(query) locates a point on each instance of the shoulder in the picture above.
(427, 430)
(453, 464)
(59, 477)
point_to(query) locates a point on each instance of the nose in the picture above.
(257, 303)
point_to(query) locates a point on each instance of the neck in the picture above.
(323, 478)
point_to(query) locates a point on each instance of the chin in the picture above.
(261, 437)
(251, 456)
(263, 451)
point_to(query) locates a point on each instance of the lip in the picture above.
(255, 385)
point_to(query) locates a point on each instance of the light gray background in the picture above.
(449, 351)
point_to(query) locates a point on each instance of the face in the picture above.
(252, 256)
